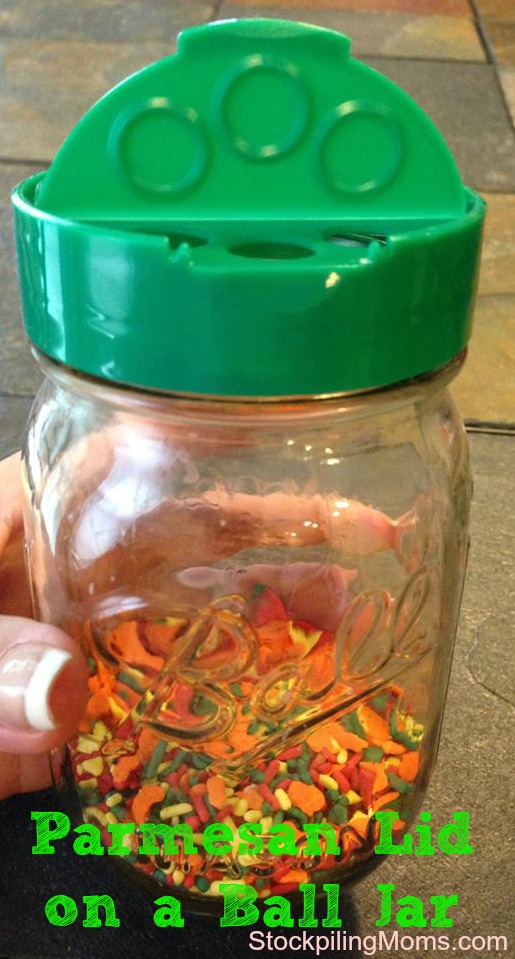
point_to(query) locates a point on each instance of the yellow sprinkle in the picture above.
(114, 799)
(335, 744)
(283, 767)
(180, 809)
(392, 761)
(352, 797)
(228, 821)
(197, 838)
(283, 799)
(252, 815)
(100, 732)
(110, 817)
(178, 877)
(93, 766)
(88, 784)
(328, 781)
(241, 807)
(87, 745)
(342, 756)
(91, 813)
(266, 822)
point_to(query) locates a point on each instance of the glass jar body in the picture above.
(268, 595)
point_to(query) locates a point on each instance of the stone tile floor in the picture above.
(457, 58)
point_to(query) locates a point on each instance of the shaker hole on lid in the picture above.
(349, 240)
(177, 239)
(271, 251)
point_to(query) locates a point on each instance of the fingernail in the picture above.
(28, 675)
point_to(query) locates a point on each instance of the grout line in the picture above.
(498, 429)
(215, 9)
(415, 59)
(483, 35)
(485, 39)
(16, 161)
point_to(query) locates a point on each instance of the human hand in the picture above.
(42, 671)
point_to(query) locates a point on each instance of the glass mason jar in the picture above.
(248, 483)
(267, 593)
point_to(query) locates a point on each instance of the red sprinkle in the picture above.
(284, 784)
(272, 770)
(342, 780)
(200, 807)
(193, 821)
(292, 753)
(268, 795)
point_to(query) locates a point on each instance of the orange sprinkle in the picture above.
(144, 800)
(376, 728)
(308, 798)
(409, 766)
(384, 800)
(217, 792)
(125, 644)
(123, 768)
(148, 741)
(392, 748)
(350, 740)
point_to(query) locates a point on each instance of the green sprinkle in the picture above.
(155, 760)
(202, 883)
(278, 817)
(292, 765)
(295, 813)
(200, 760)
(405, 812)
(119, 811)
(236, 690)
(158, 874)
(202, 706)
(273, 784)
(92, 798)
(353, 725)
(318, 817)
(399, 784)
(132, 857)
(266, 808)
(261, 883)
(373, 754)
(182, 796)
(252, 728)
(175, 763)
(131, 682)
(380, 702)
(333, 795)
(257, 589)
(209, 805)
(258, 777)
(304, 773)
(246, 709)
(338, 814)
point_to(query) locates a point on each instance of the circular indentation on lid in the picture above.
(263, 107)
(159, 147)
(271, 251)
(360, 148)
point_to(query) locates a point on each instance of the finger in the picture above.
(20, 774)
(43, 686)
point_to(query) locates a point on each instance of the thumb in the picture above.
(43, 691)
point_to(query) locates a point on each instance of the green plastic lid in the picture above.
(257, 215)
